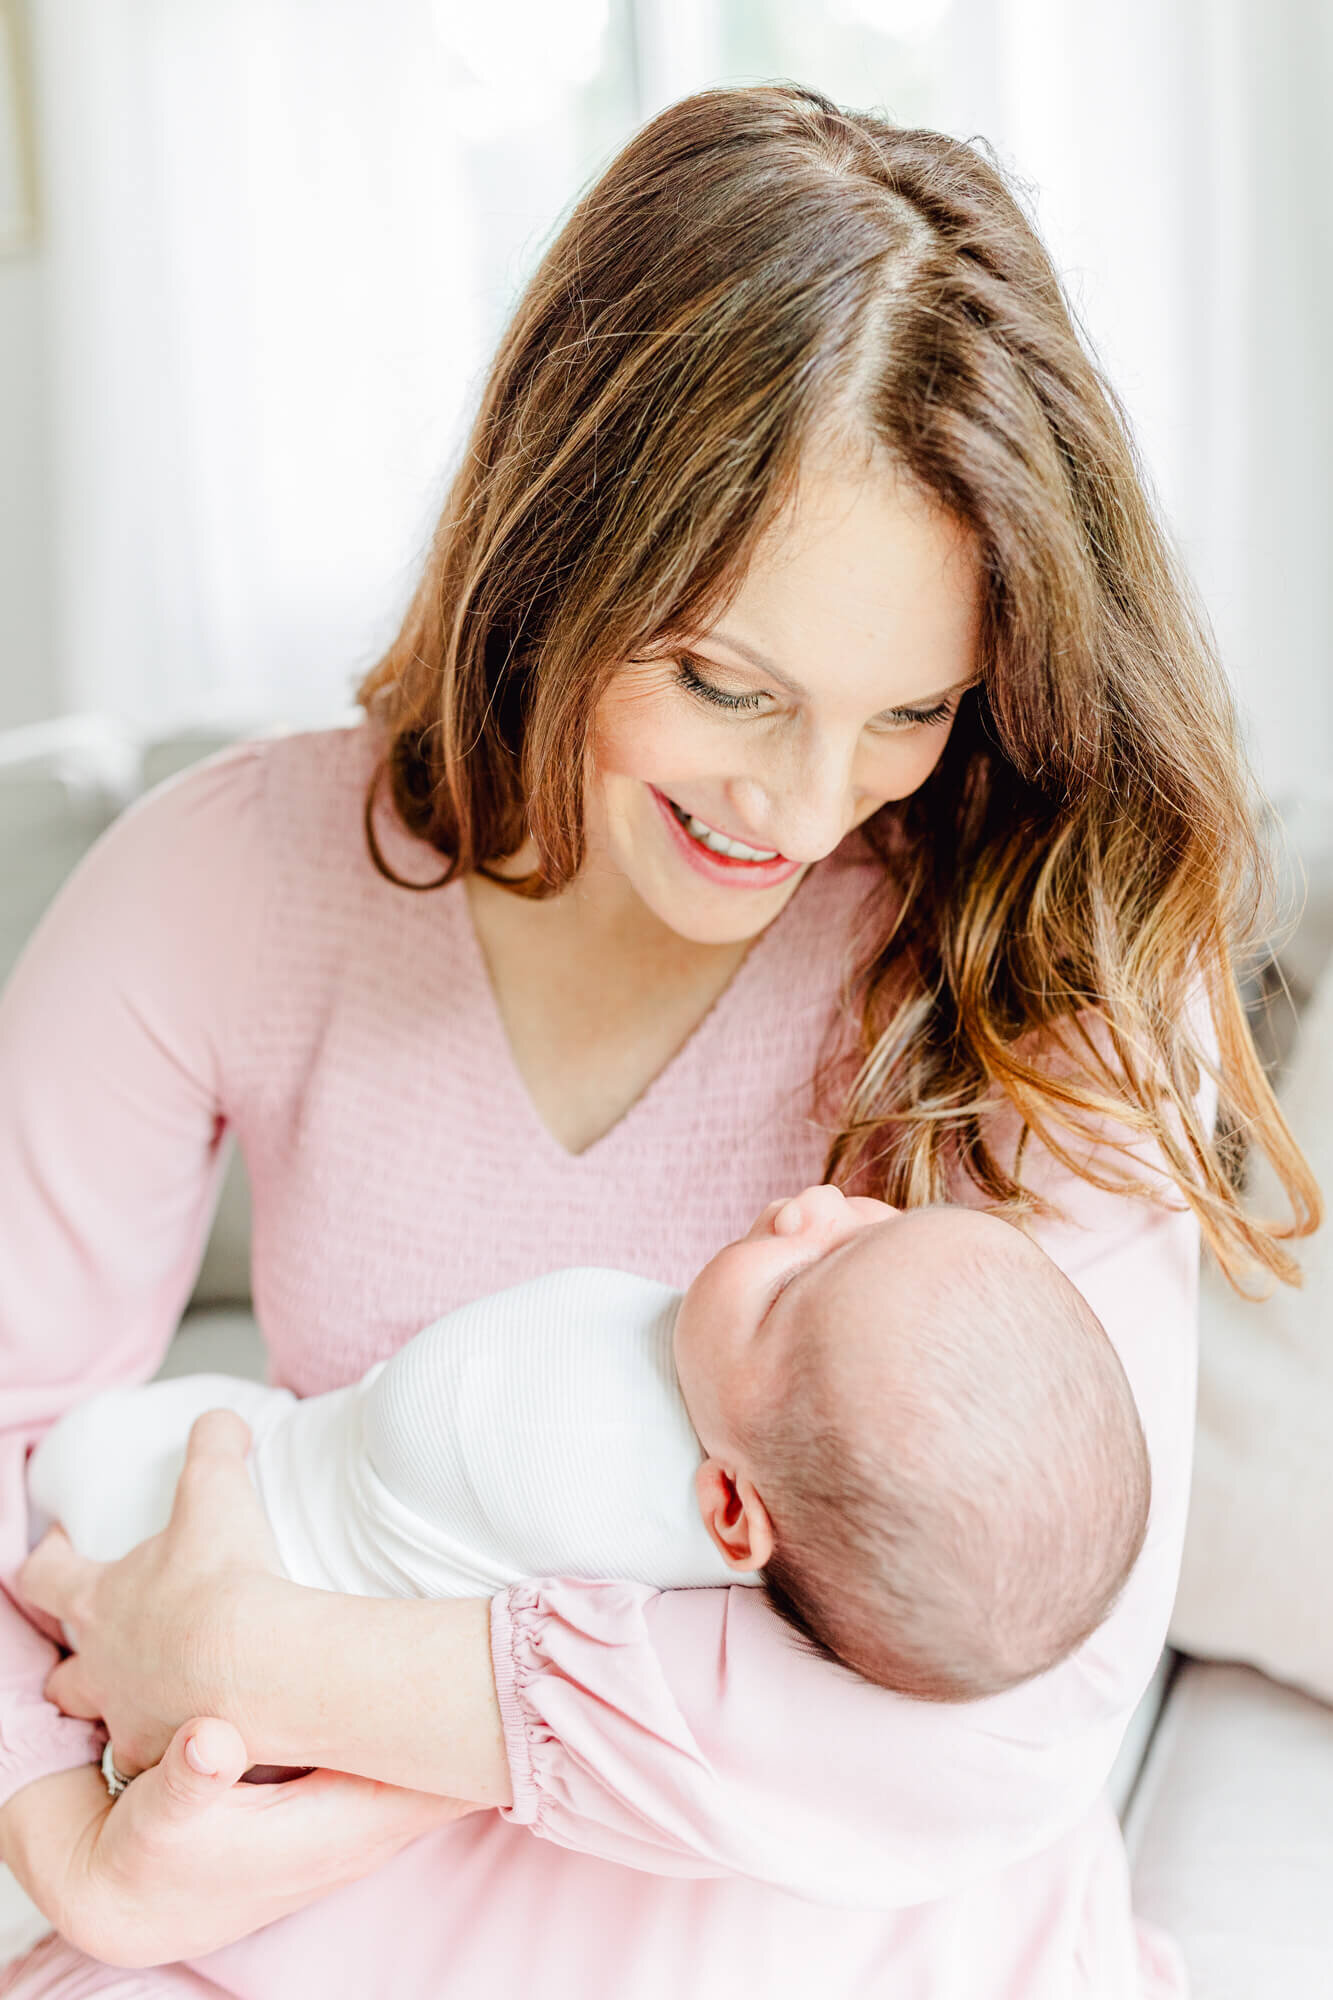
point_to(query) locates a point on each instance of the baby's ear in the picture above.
(734, 1515)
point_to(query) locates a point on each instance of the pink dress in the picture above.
(702, 1810)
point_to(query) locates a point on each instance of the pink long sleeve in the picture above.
(112, 1034)
(685, 1732)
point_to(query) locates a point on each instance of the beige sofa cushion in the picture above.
(1257, 1583)
(60, 787)
(1230, 1835)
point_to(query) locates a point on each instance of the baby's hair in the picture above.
(972, 1519)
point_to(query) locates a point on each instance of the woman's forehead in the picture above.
(862, 578)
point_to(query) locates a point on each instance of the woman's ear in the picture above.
(734, 1515)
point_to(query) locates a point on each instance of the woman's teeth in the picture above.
(718, 842)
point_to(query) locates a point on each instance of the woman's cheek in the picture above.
(638, 731)
(905, 773)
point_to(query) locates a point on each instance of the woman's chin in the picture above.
(702, 913)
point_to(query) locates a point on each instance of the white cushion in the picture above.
(1257, 1582)
(1230, 1835)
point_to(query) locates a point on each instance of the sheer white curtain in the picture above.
(1183, 152)
(283, 235)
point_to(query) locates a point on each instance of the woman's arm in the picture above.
(685, 1732)
(112, 1045)
(117, 1034)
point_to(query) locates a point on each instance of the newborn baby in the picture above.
(906, 1426)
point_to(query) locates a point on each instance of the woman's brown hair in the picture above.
(756, 273)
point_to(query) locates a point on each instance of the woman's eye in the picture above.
(704, 690)
(908, 718)
(687, 673)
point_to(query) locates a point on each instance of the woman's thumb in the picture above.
(203, 1760)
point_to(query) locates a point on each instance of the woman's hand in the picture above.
(186, 1859)
(167, 1632)
(199, 1621)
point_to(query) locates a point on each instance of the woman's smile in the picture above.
(719, 856)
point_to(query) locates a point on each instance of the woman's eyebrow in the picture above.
(759, 660)
(766, 666)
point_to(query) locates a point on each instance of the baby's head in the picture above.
(918, 1430)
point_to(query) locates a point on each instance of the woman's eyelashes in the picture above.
(687, 673)
(690, 678)
(905, 718)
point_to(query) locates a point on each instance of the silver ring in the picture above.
(115, 1781)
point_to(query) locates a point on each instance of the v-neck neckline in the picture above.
(496, 1050)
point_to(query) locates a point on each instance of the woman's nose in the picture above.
(803, 810)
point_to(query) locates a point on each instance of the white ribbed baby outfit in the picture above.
(540, 1431)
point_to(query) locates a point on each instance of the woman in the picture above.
(793, 508)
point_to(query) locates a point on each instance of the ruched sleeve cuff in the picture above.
(515, 1615)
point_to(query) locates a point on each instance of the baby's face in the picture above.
(740, 1317)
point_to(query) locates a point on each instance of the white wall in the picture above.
(27, 682)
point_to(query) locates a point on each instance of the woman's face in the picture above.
(828, 687)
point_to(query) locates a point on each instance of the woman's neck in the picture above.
(595, 993)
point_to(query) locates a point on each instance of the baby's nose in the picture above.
(813, 1206)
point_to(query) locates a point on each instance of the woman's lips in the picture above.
(726, 869)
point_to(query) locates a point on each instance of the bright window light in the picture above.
(901, 20)
(509, 41)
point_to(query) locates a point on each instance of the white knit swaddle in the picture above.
(537, 1432)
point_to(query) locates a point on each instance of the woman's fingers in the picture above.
(360, 1822)
(218, 1443)
(65, 1686)
(55, 1577)
(185, 1862)
(215, 1493)
(218, 1434)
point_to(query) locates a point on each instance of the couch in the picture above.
(1225, 1781)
